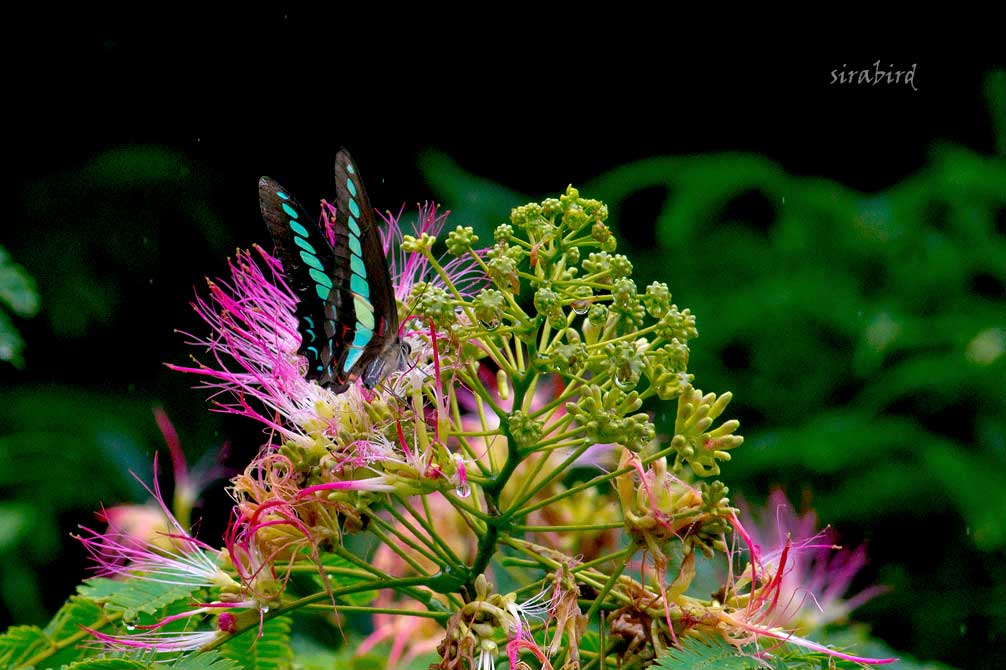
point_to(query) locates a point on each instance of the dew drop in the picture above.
(581, 307)
(130, 626)
(492, 324)
(624, 381)
(463, 491)
(264, 609)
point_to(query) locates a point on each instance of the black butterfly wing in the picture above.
(373, 295)
(315, 270)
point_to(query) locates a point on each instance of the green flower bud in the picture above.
(597, 263)
(598, 315)
(550, 207)
(503, 232)
(600, 232)
(525, 430)
(569, 198)
(574, 218)
(677, 325)
(696, 445)
(545, 300)
(571, 256)
(503, 272)
(488, 306)
(626, 305)
(461, 240)
(569, 358)
(422, 245)
(657, 299)
(433, 302)
(620, 266)
(624, 363)
(527, 216)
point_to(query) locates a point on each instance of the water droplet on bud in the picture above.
(463, 491)
(624, 380)
(581, 307)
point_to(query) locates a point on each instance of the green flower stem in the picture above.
(315, 597)
(511, 354)
(418, 595)
(58, 645)
(564, 434)
(571, 391)
(519, 313)
(634, 335)
(475, 385)
(608, 558)
(440, 616)
(584, 528)
(612, 580)
(600, 479)
(465, 305)
(519, 563)
(431, 538)
(398, 550)
(312, 568)
(532, 489)
(465, 507)
(486, 470)
(557, 443)
(491, 489)
(528, 549)
(428, 526)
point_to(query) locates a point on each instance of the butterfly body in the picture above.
(347, 315)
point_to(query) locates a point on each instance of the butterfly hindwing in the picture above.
(369, 282)
(313, 270)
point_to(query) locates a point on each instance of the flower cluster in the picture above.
(518, 446)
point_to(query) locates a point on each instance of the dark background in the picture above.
(134, 154)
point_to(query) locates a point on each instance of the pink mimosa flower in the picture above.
(798, 569)
(253, 367)
(813, 585)
(168, 555)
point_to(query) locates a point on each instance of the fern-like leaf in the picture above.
(270, 651)
(705, 654)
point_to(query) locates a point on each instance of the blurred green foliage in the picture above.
(77, 418)
(864, 338)
(18, 295)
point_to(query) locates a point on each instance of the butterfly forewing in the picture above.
(369, 283)
(346, 311)
(310, 263)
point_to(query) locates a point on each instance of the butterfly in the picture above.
(347, 315)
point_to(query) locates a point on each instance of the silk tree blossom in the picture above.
(254, 369)
(818, 573)
(170, 556)
(779, 583)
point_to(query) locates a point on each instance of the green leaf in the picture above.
(17, 288)
(21, 643)
(107, 664)
(705, 654)
(76, 612)
(133, 596)
(270, 651)
(18, 294)
(211, 660)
